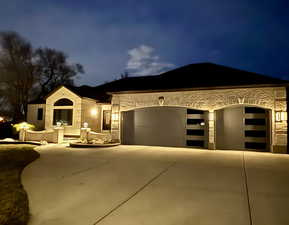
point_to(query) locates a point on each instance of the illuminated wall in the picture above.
(76, 115)
(273, 98)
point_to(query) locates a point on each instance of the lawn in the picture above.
(14, 207)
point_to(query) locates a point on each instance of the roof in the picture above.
(193, 76)
(91, 92)
(37, 101)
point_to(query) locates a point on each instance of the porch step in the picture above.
(69, 138)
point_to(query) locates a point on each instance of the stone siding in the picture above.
(273, 98)
(93, 120)
(32, 115)
(59, 94)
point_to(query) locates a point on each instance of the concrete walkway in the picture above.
(140, 185)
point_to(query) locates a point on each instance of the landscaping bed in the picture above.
(90, 145)
(14, 207)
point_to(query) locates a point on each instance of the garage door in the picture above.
(164, 126)
(243, 128)
(159, 126)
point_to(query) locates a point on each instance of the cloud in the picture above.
(142, 61)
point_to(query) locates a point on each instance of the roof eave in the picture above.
(200, 88)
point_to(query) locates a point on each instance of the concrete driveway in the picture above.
(140, 185)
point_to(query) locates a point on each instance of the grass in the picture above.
(14, 207)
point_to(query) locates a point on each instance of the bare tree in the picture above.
(124, 75)
(25, 72)
(17, 71)
(54, 70)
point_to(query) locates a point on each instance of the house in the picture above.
(199, 105)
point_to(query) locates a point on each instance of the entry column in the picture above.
(115, 122)
(211, 144)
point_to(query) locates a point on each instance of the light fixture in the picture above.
(1, 119)
(93, 112)
(161, 100)
(283, 116)
(114, 116)
(85, 125)
(280, 116)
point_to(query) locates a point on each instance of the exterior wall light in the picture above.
(93, 112)
(161, 100)
(280, 116)
(114, 116)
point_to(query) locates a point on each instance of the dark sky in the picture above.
(149, 37)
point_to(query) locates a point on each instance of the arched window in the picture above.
(63, 102)
(63, 115)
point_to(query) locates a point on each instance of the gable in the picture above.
(61, 93)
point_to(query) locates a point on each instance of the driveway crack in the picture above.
(246, 189)
(135, 193)
(84, 170)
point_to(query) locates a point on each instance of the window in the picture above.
(106, 121)
(254, 110)
(255, 122)
(39, 113)
(63, 102)
(194, 111)
(195, 132)
(62, 115)
(195, 121)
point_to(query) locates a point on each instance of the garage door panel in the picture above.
(243, 128)
(160, 126)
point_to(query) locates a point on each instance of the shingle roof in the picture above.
(193, 76)
(202, 75)
(37, 101)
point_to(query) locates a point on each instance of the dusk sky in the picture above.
(150, 37)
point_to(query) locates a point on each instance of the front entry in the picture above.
(243, 128)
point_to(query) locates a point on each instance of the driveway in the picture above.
(140, 185)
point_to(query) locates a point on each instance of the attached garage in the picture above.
(211, 107)
(164, 126)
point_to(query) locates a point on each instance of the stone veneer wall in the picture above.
(273, 98)
(32, 115)
(94, 121)
(64, 93)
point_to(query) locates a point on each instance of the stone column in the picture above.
(211, 144)
(84, 134)
(280, 127)
(58, 134)
(22, 134)
(115, 123)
